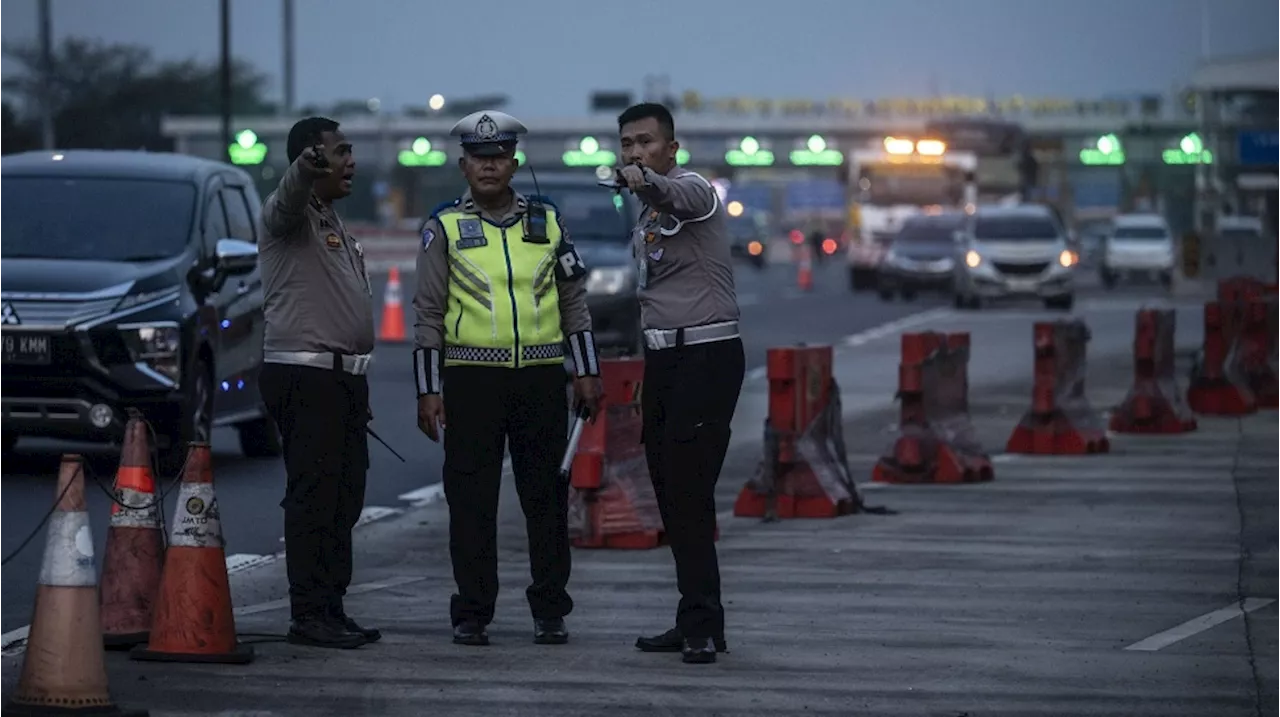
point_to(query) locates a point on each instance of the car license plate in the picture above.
(27, 349)
(1022, 285)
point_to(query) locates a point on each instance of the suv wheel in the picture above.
(259, 438)
(196, 424)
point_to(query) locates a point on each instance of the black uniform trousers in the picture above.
(322, 415)
(485, 407)
(689, 397)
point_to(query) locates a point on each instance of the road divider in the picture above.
(804, 472)
(936, 441)
(1153, 404)
(1060, 420)
(612, 503)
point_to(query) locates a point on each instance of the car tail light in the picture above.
(797, 237)
(755, 248)
(829, 246)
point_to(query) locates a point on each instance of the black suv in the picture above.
(600, 222)
(130, 281)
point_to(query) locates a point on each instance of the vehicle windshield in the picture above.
(95, 218)
(930, 232)
(1014, 229)
(592, 214)
(1240, 234)
(744, 227)
(888, 184)
(1140, 233)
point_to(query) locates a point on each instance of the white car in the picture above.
(1014, 252)
(1137, 245)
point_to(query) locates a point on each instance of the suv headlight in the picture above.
(607, 281)
(157, 346)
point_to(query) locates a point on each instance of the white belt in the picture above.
(355, 364)
(659, 339)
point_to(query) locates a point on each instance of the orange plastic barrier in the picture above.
(193, 618)
(64, 671)
(805, 472)
(936, 442)
(135, 545)
(1154, 403)
(612, 503)
(1257, 303)
(1218, 385)
(1061, 420)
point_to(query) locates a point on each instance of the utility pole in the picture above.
(287, 44)
(46, 74)
(225, 77)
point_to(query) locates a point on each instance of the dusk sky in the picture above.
(548, 55)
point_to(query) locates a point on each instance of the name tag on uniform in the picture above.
(470, 234)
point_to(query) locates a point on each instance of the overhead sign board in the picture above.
(1259, 148)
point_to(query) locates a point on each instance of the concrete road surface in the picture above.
(1101, 585)
(249, 491)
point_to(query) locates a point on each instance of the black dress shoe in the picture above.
(672, 641)
(470, 633)
(323, 633)
(371, 634)
(550, 632)
(698, 651)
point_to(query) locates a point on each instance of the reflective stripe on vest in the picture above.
(504, 309)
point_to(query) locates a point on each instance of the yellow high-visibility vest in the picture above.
(504, 309)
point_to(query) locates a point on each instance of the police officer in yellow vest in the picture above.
(500, 290)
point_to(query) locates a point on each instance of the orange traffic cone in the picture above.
(63, 672)
(135, 545)
(193, 618)
(392, 312)
(804, 277)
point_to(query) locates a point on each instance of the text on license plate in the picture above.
(26, 349)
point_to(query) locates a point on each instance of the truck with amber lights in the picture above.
(130, 281)
(900, 178)
(1011, 252)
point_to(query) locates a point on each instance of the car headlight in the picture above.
(972, 259)
(1068, 258)
(157, 346)
(607, 281)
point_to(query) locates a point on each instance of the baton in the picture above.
(575, 434)
(388, 445)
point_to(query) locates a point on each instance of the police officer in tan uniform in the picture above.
(319, 337)
(694, 364)
(501, 291)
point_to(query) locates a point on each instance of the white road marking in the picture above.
(1198, 625)
(376, 512)
(353, 590)
(897, 326)
(239, 562)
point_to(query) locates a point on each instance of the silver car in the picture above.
(1010, 252)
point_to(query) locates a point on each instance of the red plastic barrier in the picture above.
(1154, 403)
(805, 471)
(1061, 420)
(1219, 386)
(611, 499)
(1254, 302)
(936, 441)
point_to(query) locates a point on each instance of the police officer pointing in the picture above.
(694, 364)
(319, 337)
(500, 289)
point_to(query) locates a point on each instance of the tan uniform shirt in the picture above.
(430, 300)
(681, 246)
(317, 291)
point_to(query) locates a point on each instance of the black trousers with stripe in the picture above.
(527, 409)
(688, 400)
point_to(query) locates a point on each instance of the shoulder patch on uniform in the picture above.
(443, 206)
(428, 236)
(542, 199)
(569, 265)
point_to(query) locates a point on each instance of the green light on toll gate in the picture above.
(420, 154)
(1107, 152)
(816, 154)
(1190, 151)
(589, 154)
(749, 154)
(247, 149)
(682, 156)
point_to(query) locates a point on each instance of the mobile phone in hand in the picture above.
(318, 157)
